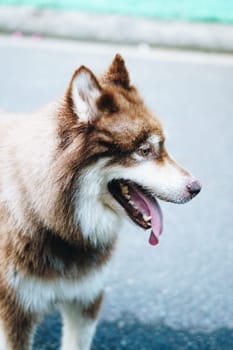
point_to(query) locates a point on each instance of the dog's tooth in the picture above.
(125, 189)
(146, 218)
(133, 204)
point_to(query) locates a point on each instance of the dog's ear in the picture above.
(117, 73)
(83, 93)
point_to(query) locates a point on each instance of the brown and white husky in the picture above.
(69, 175)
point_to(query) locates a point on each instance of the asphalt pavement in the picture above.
(179, 294)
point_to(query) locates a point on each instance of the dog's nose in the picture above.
(194, 187)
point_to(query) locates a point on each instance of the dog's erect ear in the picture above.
(84, 92)
(117, 73)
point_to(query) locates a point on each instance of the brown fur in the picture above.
(47, 233)
(92, 310)
(17, 323)
(39, 257)
(35, 245)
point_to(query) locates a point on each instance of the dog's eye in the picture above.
(144, 150)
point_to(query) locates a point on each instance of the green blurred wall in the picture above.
(197, 10)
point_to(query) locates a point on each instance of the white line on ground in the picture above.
(142, 51)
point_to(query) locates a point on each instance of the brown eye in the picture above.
(144, 150)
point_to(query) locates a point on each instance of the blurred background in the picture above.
(209, 10)
(179, 294)
(193, 24)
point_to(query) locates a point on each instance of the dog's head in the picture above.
(123, 165)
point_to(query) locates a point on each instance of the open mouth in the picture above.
(140, 206)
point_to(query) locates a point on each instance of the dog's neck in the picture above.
(48, 256)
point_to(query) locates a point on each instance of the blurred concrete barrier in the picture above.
(116, 28)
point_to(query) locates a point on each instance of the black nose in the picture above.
(194, 187)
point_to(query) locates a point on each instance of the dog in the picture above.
(70, 174)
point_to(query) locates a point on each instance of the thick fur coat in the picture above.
(62, 170)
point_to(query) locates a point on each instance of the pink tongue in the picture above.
(156, 221)
(153, 240)
(152, 209)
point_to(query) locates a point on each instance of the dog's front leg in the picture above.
(79, 324)
(16, 328)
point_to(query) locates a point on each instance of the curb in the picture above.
(115, 28)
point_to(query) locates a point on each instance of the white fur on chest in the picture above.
(38, 295)
(93, 212)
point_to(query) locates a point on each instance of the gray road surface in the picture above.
(178, 295)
